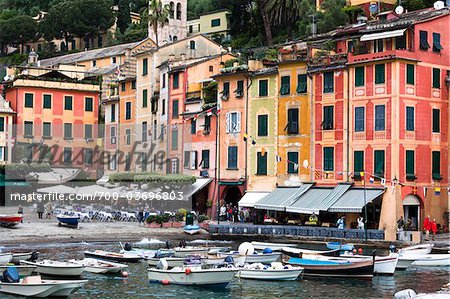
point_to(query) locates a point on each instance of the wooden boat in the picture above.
(296, 252)
(126, 256)
(384, 265)
(189, 250)
(21, 256)
(264, 258)
(68, 220)
(275, 272)
(417, 249)
(56, 268)
(323, 267)
(436, 260)
(340, 246)
(22, 270)
(100, 267)
(10, 221)
(273, 246)
(191, 229)
(5, 258)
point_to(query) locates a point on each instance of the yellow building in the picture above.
(6, 130)
(215, 23)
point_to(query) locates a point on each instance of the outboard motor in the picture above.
(10, 275)
(127, 247)
(229, 260)
(34, 256)
(167, 245)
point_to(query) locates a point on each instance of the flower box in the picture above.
(154, 225)
(167, 224)
(177, 224)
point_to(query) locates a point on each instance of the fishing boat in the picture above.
(100, 267)
(264, 258)
(340, 246)
(273, 246)
(124, 257)
(324, 267)
(436, 260)
(189, 250)
(191, 229)
(417, 249)
(10, 221)
(56, 268)
(384, 265)
(68, 220)
(5, 258)
(296, 252)
(276, 271)
(22, 270)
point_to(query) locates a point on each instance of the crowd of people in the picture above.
(429, 226)
(232, 213)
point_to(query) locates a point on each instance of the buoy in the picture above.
(360, 250)
(354, 251)
(188, 271)
(165, 282)
(125, 274)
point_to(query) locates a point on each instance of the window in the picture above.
(436, 165)
(328, 158)
(328, 118)
(174, 145)
(164, 80)
(226, 90)
(205, 159)
(171, 10)
(380, 115)
(186, 160)
(68, 131)
(193, 160)
(128, 110)
(192, 45)
(215, 22)
(144, 98)
(379, 74)
(410, 74)
(128, 136)
(123, 86)
(378, 46)
(207, 124)
(292, 164)
(285, 85)
(359, 119)
(379, 163)
(88, 156)
(193, 126)
(436, 120)
(261, 163)
(409, 118)
(47, 130)
(436, 78)
(359, 76)
(2, 124)
(175, 109)
(68, 103)
(240, 89)
(29, 99)
(358, 162)
(232, 157)
(163, 107)
(28, 129)
(174, 166)
(262, 125)
(113, 113)
(328, 82)
(88, 131)
(113, 162)
(133, 84)
(145, 66)
(47, 101)
(88, 104)
(67, 155)
(233, 122)
(176, 80)
(400, 42)
(292, 125)
(263, 88)
(114, 60)
(211, 68)
(424, 40)
(437, 42)
(144, 131)
(113, 134)
(302, 85)
(410, 165)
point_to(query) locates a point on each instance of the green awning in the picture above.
(353, 200)
(281, 198)
(231, 183)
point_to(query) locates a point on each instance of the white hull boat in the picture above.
(56, 268)
(273, 246)
(190, 250)
(405, 260)
(275, 272)
(22, 270)
(171, 261)
(149, 243)
(193, 276)
(264, 258)
(417, 249)
(384, 265)
(22, 256)
(126, 256)
(5, 258)
(100, 267)
(433, 260)
(33, 287)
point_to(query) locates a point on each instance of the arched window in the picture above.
(178, 11)
(171, 10)
(174, 38)
(192, 45)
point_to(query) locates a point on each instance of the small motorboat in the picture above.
(171, 261)
(5, 258)
(22, 270)
(10, 221)
(340, 246)
(406, 259)
(124, 257)
(34, 286)
(150, 244)
(56, 268)
(417, 249)
(189, 250)
(276, 271)
(264, 258)
(191, 229)
(22, 256)
(437, 260)
(68, 220)
(100, 267)
(384, 265)
(273, 246)
(297, 252)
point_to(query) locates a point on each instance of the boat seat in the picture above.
(32, 280)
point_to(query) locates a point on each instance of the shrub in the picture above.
(202, 218)
(151, 218)
(179, 216)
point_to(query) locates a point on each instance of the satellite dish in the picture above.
(439, 5)
(305, 163)
(399, 10)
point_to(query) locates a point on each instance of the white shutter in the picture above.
(227, 122)
(238, 122)
(193, 160)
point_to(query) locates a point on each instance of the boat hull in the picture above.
(23, 270)
(384, 265)
(196, 277)
(339, 246)
(417, 249)
(44, 289)
(360, 269)
(17, 257)
(265, 258)
(56, 269)
(117, 257)
(273, 246)
(270, 274)
(68, 221)
(183, 252)
(171, 262)
(296, 252)
(435, 260)
(10, 220)
(5, 258)
(100, 267)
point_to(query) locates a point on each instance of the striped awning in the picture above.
(354, 200)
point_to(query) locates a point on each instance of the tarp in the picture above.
(250, 198)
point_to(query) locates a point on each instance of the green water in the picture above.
(137, 286)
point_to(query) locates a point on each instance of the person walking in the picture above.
(341, 222)
(427, 227)
(40, 209)
(433, 227)
(48, 210)
(20, 212)
(141, 215)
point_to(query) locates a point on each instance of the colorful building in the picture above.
(6, 129)
(215, 24)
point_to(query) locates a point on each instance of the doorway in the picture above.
(232, 196)
(411, 208)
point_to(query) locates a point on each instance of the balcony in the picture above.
(295, 52)
(361, 56)
(323, 60)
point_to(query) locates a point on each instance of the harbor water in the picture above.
(136, 285)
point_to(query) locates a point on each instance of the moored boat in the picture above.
(21, 256)
(296, 252)
(100, 267)
(68, 220)
(275, 272)
(417, 249)
(436, 260)
(189, 250)
(10, 221)
(56, 268)
(273, 246)
(384, 265)
(405, 260)
(191, 229)
(171, 261)
(340, 246)
(126, 256)
(22, 270)
(264, 258)
(5, 258)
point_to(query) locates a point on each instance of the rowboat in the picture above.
(191, 229)
(275, 272)
(99, 267)
(384, 265)
(10, 221)
(21, 256)
(273, 246)
(171, 261)
(126, 256)
(340, 246)
(264, 258)
(417, 249)
(68, 220)
(324, 267)
(5, 258)
(433, 260)
(296, 252)
(22, 270)
(189, 250)
(56, 268)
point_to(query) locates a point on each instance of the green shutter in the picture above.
(379, 163)
(89, 104)
(410, 164)
(292, 162)
(379, 74)
(410, 74)
(47, 101)
(410, 118)
(176, 80)
(145, 66)
(261, 164)
(436, 165)
(2, 124)
(262, 125)
(436, 120)
(175, 109)
(144, 98)
(358, 161)
(436, 78)
(29, 100)
(68, 103)
(285, 85)
(359, 76)
(263, 88)
(302, 83)
(328, 82)
(328, 158)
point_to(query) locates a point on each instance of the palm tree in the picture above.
(266, 20)
(158, 16)
(286, 12)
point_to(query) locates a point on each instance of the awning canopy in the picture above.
(381, 35)
(250, 198)
(57, 189)
(199, 184)
(354, 200)
(281, 197)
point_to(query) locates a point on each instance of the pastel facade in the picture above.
(213, 24)
(6, 130)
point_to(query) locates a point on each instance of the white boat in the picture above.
(5, 258)
(56, 268)
(409, 293)
(22, 270)
(126, 256)
(297, 252)
(264, 258)
(149, 243)
(433, 260)
(189, 250)
(99, 267)
(406, 259)
(171, 261)
(273, 246)
(33, 286)
(417, 249)
(384, 265)
(21, 256)
(191, 229)
(275, 272)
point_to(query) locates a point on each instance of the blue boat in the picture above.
(340, 246)
(68, 220)
(191, 229)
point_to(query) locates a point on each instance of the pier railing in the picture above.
(290, 230)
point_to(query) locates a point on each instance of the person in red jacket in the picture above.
(427, 227)
(434, 228)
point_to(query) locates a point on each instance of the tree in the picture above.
(283, 12)
(123, 15)
(158, 16)
(17, 30)
(266, 20)
(332, 15)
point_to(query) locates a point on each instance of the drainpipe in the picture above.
(246, 129)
